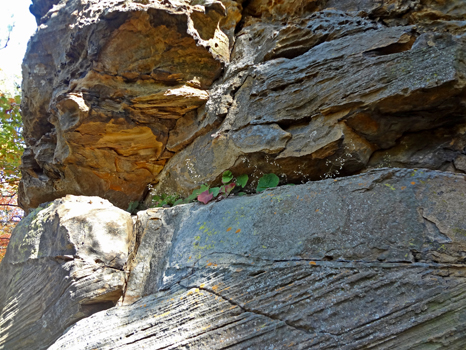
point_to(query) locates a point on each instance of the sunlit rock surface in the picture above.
(334, 95)
(352, 93)
(64, 262)
(119, 95)
(370, 261)
(104, 83)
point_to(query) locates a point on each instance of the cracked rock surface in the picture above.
(369, 261)
(119, 95)
(65, 261)
(353, 85)
(360, 103)
(104, 84)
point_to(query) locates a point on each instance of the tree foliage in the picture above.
(11, 149)
(11, 141)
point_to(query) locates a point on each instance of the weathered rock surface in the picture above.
(64, 262)
(342, 87)
(104, 83)
(370, 261)
(119, 95)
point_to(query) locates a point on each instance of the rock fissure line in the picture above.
(246, 309)
(336, 263)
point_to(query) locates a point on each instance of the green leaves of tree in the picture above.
(11, 141)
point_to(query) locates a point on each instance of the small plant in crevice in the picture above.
(166, 199)
(133, 207)
(205, 194)
(229, 184)
(267, 181)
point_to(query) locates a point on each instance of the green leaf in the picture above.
(240, 194)
(215, 191)
(227, 177)
(133, 206)
(178, 201)
(242, 180)
(267, 181)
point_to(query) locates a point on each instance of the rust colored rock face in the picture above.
(119, 95)
(104, 83)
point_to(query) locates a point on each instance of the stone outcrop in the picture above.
(104, 83)
(359, 103)
(369, 261)
(65, 261)
(120, 95)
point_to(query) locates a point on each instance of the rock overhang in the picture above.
(173, 94)
(104, 84)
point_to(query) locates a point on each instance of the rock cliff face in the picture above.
(122, 94)
(370, 261)
(105, 83)
(360, 103)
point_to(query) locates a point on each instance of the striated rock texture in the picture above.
(104, 83)
(65, 261)
(122, 94)
(119, 95)
(374, 261)
(338, 87)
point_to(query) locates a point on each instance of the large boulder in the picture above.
(369, 261)
(64, 262)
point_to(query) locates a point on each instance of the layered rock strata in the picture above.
(369, 261)
(104, 83)
(65, 261)
(119, 95)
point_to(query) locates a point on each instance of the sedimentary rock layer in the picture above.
(369, 261)
(336, 93)
(104, 83)
(119, 95)
(64, 262)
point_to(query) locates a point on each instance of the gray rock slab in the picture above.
(375, 260)
(65, 261)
